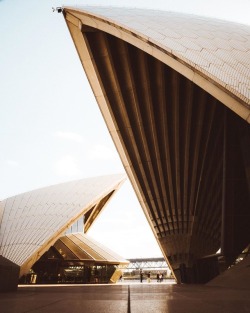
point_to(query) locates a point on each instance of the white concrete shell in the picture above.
(31, 222)
(214, 54)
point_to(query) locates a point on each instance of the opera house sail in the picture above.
(32, 222)
(174, 90)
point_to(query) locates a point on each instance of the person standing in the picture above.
(141, 275)
(157, 277)
(160, 277)
(149, 280)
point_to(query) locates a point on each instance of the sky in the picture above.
(51, 129)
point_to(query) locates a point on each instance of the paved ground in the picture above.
(124, 298)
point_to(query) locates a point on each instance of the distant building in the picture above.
(32, 222)
(174, 90)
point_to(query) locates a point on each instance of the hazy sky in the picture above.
(51, 128)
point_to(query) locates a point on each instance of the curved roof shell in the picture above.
(212, 53)
(31, 222)
(174, 92)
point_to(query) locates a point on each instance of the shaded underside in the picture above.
(186, 154)
(173, 134)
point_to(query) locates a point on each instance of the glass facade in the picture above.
(77, 227)
(75, 258)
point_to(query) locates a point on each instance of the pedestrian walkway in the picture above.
(126, 298)
(152, 281)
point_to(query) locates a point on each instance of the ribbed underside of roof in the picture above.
(80, 247)
(172, 132)
(186, 153)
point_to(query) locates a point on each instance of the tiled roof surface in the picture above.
(218, 49)
(29, 220)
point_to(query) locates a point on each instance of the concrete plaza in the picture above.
(129, 298)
